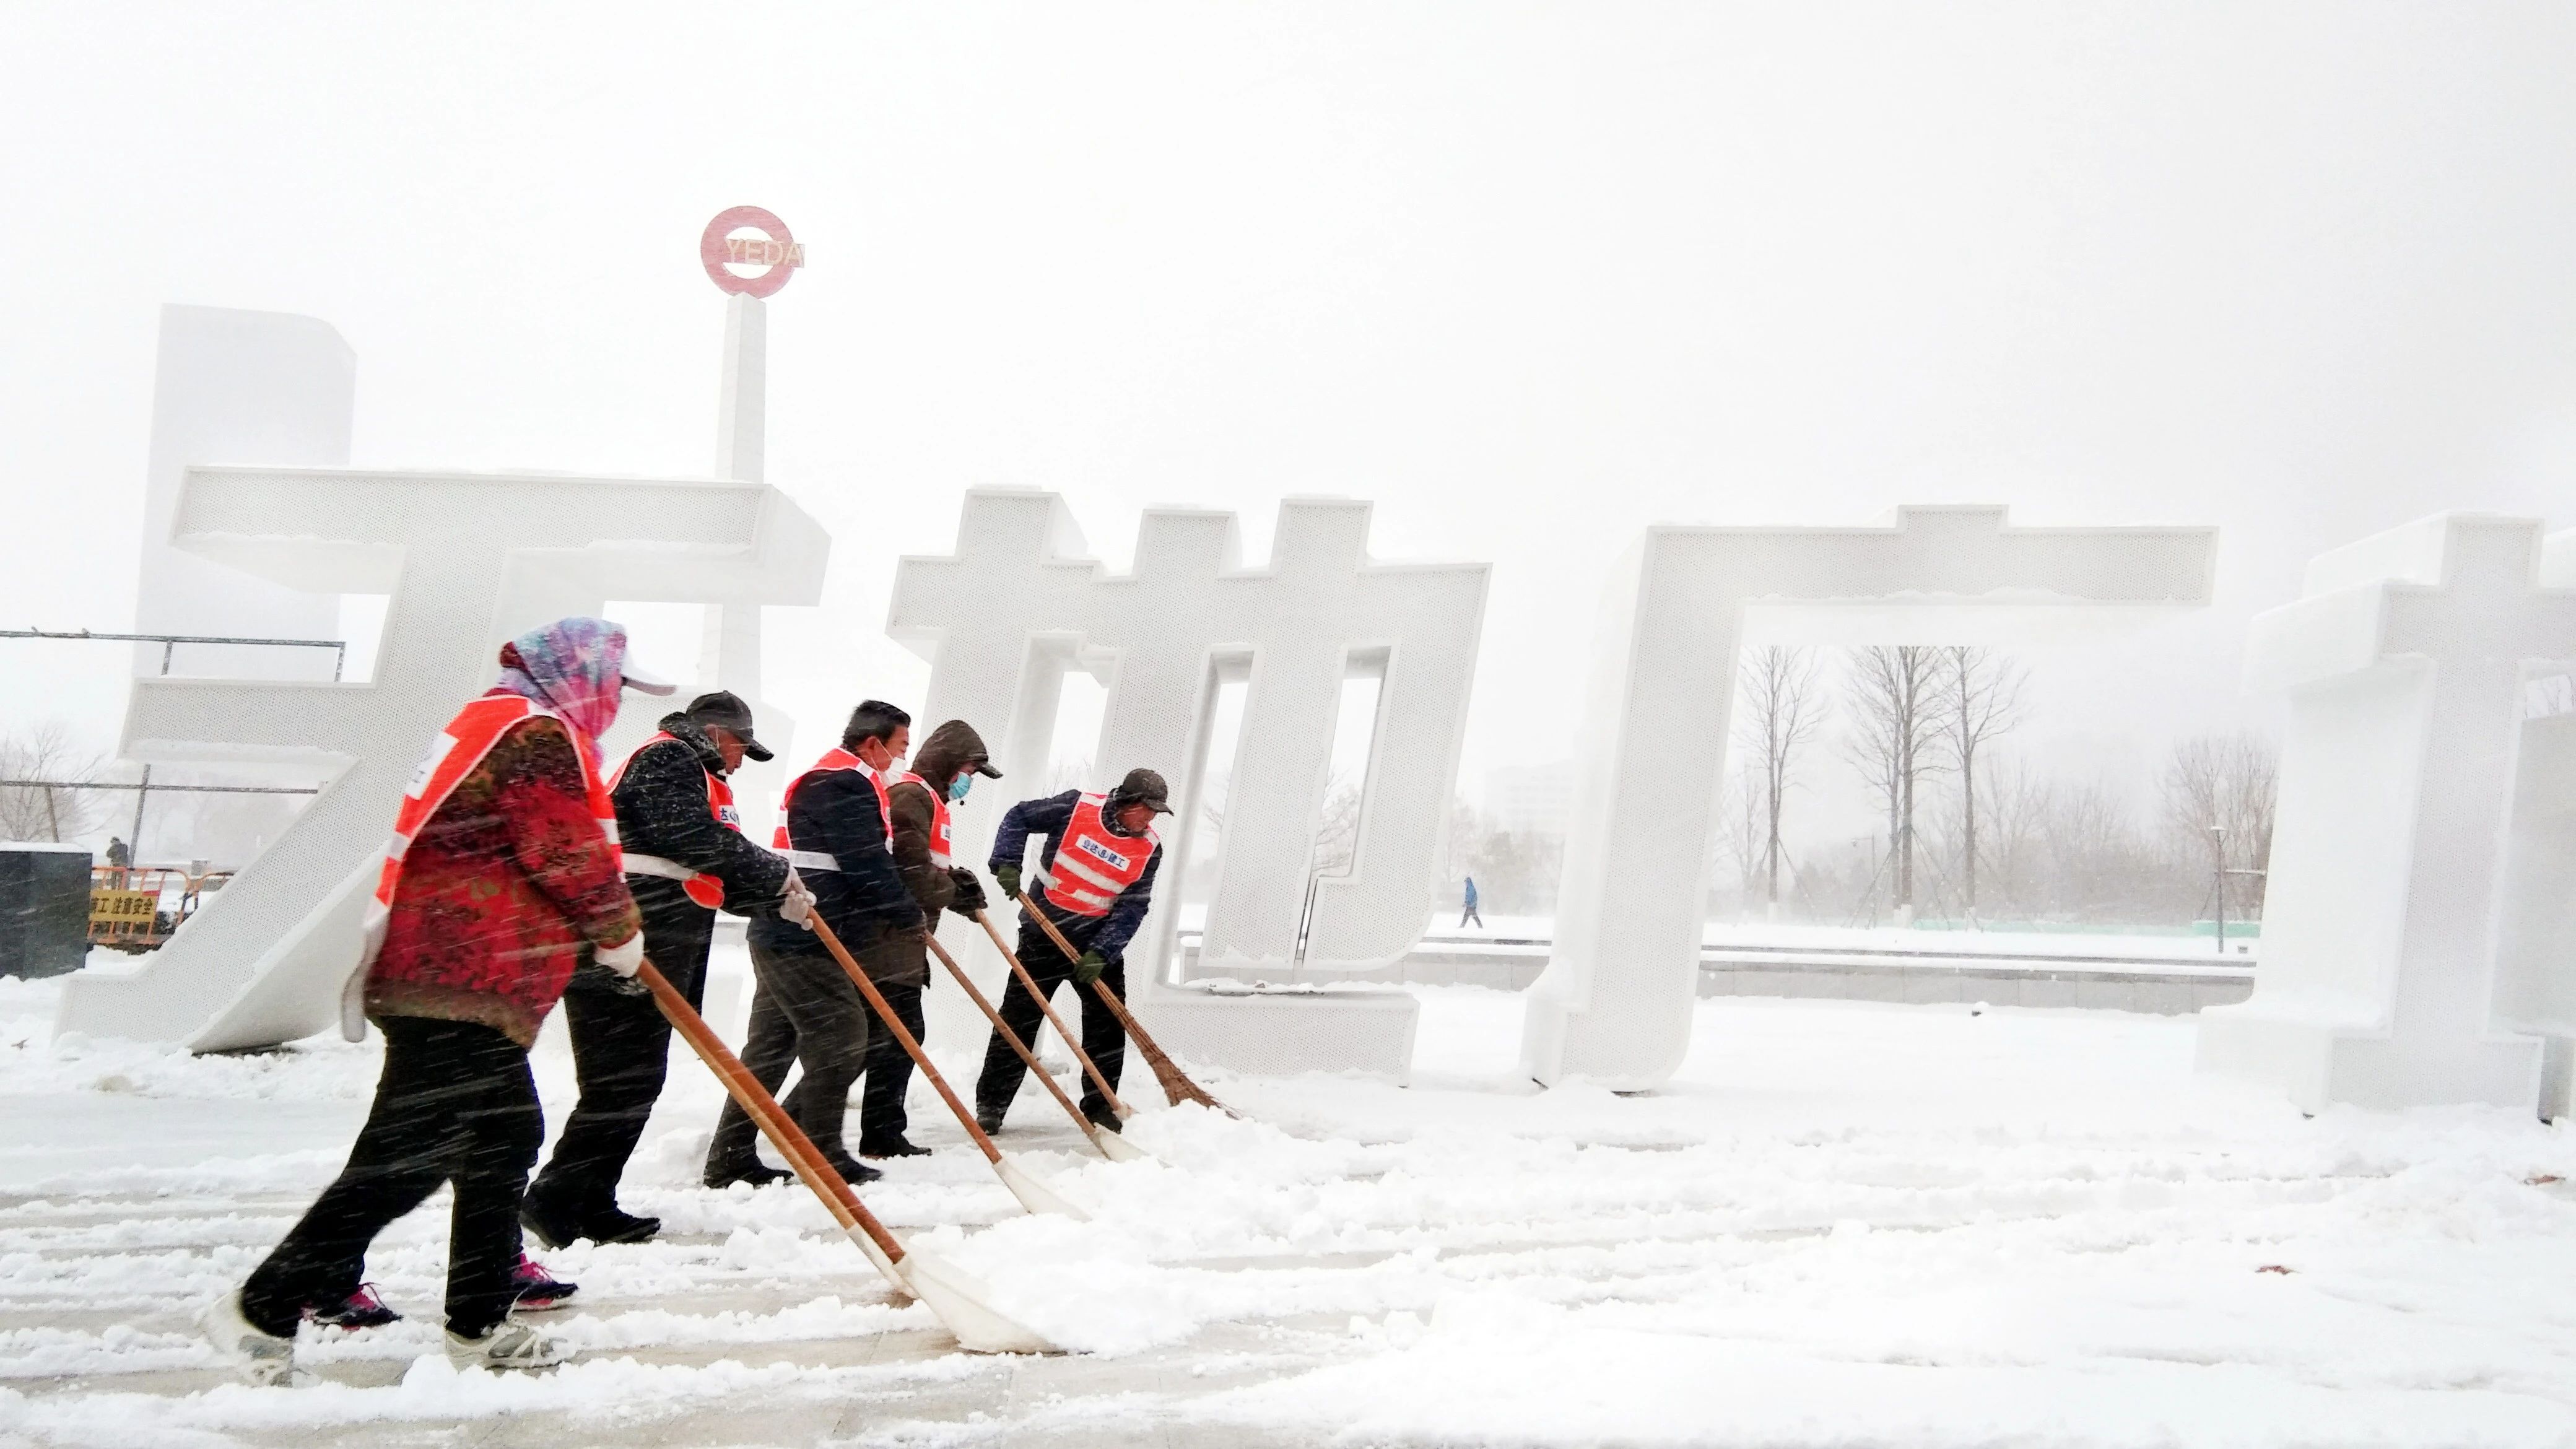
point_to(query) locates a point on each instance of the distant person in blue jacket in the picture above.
(1094, 881)
(1469, 914)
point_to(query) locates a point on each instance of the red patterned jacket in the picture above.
(500, 891)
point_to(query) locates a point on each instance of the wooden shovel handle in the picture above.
(1177, 1086)
(792, 1143)
(1029, 984)
(904, 1036)
(1003, 1030)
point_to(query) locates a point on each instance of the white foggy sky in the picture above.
(1528, 276)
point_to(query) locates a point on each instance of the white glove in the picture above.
(798, 904)
(625, 959)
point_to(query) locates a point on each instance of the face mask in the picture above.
(958, 787)
(893, 766)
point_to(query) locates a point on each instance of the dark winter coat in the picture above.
(836, 812)
(504, 890)
(1108, 934)
(661, 800)
(952, 747)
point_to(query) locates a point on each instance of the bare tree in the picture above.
(1337, 829)
(2096, 854)
(2013, 802)
(30, 813)
(1985, 703)
(1739, 826)
(2227, 782)
(1781, 711)
(1900, 699)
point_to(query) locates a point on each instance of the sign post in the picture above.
(744, 237)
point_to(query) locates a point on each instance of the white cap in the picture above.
(643, 680)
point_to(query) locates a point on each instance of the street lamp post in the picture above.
(2219, 876)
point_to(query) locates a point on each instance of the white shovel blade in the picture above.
(885, 1265)
(1117, 1148)
(1034, 1195)
(959, 1302)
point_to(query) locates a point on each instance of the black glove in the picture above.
(1088, 969)
(1008, 878)
(969, 900)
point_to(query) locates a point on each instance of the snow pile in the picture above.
(1841, 1223)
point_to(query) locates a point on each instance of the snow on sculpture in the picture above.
(1614, 1005)
(1017, 605)
(469, 560)
(2419, 857)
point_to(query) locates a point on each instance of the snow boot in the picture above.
(539, 1290)
(548, 1222)
(758, 1174)
(266, 1359)
(989, 1118)
(1106, 1121)
(617, 1225)
(509, 1345)
(362, 1309)
(893, 1147)
(852, 1171)
(558, 1226)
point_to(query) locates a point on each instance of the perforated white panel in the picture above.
(1614, 1005)
(2419, 859)
(1016, 605)
(470, 559)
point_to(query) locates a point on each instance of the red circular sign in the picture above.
(773, 248)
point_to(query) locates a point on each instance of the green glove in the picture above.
(1008, 878)
(1088, 969)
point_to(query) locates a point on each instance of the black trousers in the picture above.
(804, 1013)
(621, 1052)
(1102, 1038)
(881, 1116)
(455, 1104)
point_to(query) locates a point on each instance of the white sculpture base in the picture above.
(2316, 1064)
(1279, 1032)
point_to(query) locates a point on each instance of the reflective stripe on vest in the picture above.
(452, 756)
(705, 889)
(940, 855)
(1094, 866)
(833, 759)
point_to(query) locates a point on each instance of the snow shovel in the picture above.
(1109, 1144)
(1034, 1195)
(1177, 1086)
(1072, 1043)
(952, 1296)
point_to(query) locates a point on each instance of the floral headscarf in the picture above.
(575, 667)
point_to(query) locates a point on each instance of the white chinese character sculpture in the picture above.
(2422, 866)
(1614, 1005)
(1017, 605)
(469, 560)
(237, 387)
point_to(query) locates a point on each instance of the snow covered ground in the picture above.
(1841, 1224)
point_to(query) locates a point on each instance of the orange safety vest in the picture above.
(1093, 865)
(835, 758)
(940, 854)
(707, 890)
(452, 756)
